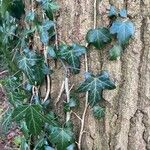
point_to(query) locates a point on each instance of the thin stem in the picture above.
(85, 110)
(48, 88)
(3, 72)
(56, 35)
(86, 98)
(60, 93)
(47, 76)
(68, 114)
(95, 13)
(72, 112)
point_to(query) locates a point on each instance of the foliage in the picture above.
(98, 37)
(71, 55)
(95, 85)
(98, 112)
(62, 137)
(30, 67)
(115, 52)
(121, 27)
(32, 115)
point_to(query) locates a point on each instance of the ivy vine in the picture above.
(29, 67)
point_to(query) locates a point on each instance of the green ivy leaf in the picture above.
(71, 104)
(44, 29)
(51, 52)
(15, 93)
(44, 36)
(124, 30)
(32, 115)
(7, 29)
(32, 65)
(98, 37)
(115, 52)
(49, 5)
(34, 119)
(30, 16)
(112, 11)
(98, 112)
(6, 120)
(15, 7)
(47, 24)
(123, 13)
(62, 137)
(95, 85)
(71, 55)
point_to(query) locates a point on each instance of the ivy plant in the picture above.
(30, 67)
(121, 28)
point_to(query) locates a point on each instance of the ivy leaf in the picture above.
(123, 29)
(32, 115)
(44, 36)
(15, 93)
(17, 97)
(51, 52)
(15, 7)
(62, 137)
(115, 52)
(49, 14)
(49, 5)
(98, 37)
(43, 30)
(7, 29)
(6, 120)
(47, 24)
(71, 55)
(123, 13)
(32, 65)
(34, 119)
(95, 85)
(30, 16)
(73, 102)
(112, 11)
(98, 112)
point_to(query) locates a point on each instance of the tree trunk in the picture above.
(126, 125)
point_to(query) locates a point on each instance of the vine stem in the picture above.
(85, 108)
(95, 13)
(86, 97)
(68, 114)
(60, 93)
(47, 76)
(3, 72)
(66, 80)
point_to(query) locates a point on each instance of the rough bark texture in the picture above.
(126, 125)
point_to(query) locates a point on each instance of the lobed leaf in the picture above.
(62, 137)
(32, 115)
(98, 37)
(95, 85)
(123, 29)
(71, 54)
(98, 112)
(115, 52)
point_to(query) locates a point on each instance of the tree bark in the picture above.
(126, 125)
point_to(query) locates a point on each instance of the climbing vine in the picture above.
(28, 41)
